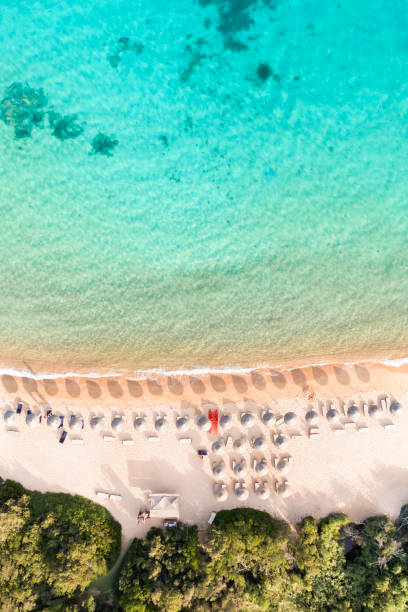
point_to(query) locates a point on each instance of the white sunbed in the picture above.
(296, 436)
(77, 441)
(365, 409)
(109, 438)
(102, 494)
(383, 404)
(350, 425)
(128, 442)
(185, 440)
(280, 421)
(13, 432)
(153, 438)
(362, 429)
(339, 430)
(211, 518)
(115, 497)
(314, 435)
(390, 426)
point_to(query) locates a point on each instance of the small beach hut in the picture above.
(97, 423)
(53, 421)
(374, 411)
(261, 467)
(281, 441)
(139, 424)
(241, 490)
(75, 423)
(160, 424)
(164, 505)
(32, 419)
(203, 423)
(333, 415)
(247, 419)
(262, 490)
(182, 423)
(282, 488)
(268, 418)
(117, 423)
(259, 443)
(396, 409)
(9, 416)
(240, 468)
(218, 469)
(226, 421)
(218, 447)
(353, 412)
(290, 419)
(311, 417)
(220, 491)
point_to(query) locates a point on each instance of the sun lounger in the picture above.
(19, 407)
(13, 432)
(228, 443)
(390, 426)
(388, 402)
(109, 438)
(128, 442)
(49, 412)
(339, 430)
(383, 404)
(115, 497)
(62, 438)
(313, 430)
(365, 409)
(280, 421)
(315, 435)
(77, 441)
(362, 429)
(61, 423)
(296, 436)
(102, 494)
(83, 423)
(349, 425)
(185, 440)
(153, 438)
(211, 518)
(29, 411)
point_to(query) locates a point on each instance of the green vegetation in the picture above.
(56, 549)
(51, 547)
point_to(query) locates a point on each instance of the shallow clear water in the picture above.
(237, 220)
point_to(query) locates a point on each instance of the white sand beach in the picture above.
(359, 473)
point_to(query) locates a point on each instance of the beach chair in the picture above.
(383, 405)
(19, 407)
(77, 441)
(63, 437)
(61, 423)
(128, 442)
(102, 494)
(115, 497)
(389, 426)
(109, 438)
(339, 431)
(211, 518)
(153, 438)
(362, 429)
(13, 432)
(48, 413)
(185, 440)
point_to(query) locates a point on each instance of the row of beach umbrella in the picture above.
(260, 467)
(241, 490)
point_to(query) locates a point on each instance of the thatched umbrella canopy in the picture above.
(240, 444)
(53, 421)
(225, 421)
(32, 420)
(203, 423)
(281, 441)
(9, 416)
(241, 491)
(259, 443)
(182, 423)
(333, 415)
(396, 409)
(247, 419)
(218, 469)
(290, 419)
(261, 467)
(268, 418)
(240, 469)
(220, 491)
(282, 489)
(117, 423)
(353, 412)
(374, 411)
(262, 491)
(161, 424)
(139, 424)
(218, 447)
(97, 423)
(75, 423)
(283, 465)
(311, 417)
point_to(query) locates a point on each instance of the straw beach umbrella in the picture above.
(311, 417)
(333, 415)
(182, 423)
(283, 465)
(374, 411)
(32, 420)
(240, 468)
(139, 424)
(268, 418)
(261, 467)
(262, 490)
(53, 421)
(161, 424)
(290, 419)
(226, 421)
(396, 409)
(218, 469)
(75, 423)
(97, 423)
(259, 443)
(218, 447)
(353, 412)
(241, 444)
(282, 489)
(9, 416)
(247, 419)
(203, 423)
(220, 491)
(281, 441)
(117, 423)
(241, 490)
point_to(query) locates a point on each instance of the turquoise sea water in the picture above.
(244, 215)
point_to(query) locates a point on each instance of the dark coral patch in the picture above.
(23, 108)
(64, 127)
(103, 144)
